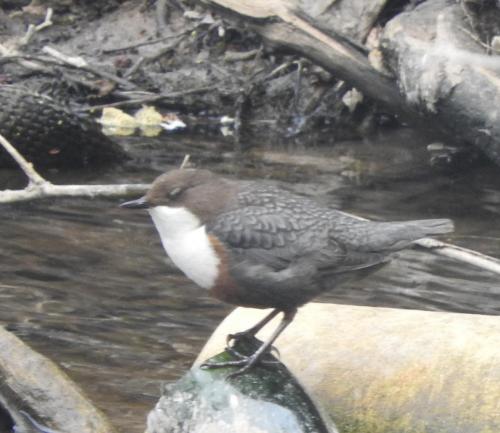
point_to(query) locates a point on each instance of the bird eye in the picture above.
(175, 193)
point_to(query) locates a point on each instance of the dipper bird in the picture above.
(256, 245)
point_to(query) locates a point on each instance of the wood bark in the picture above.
(445, 73)
(445, 82)
(301, 33)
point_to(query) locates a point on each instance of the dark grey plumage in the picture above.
(286, 249)
(275, 248)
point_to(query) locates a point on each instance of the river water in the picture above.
(88, 284)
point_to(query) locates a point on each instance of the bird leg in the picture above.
(232, 339)
(254, 329)
(248, 362)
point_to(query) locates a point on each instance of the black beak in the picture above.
(140, 203)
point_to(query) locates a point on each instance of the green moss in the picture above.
(439, 396)
(271, 383)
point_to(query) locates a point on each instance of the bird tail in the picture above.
(433, 226)
(393, 236)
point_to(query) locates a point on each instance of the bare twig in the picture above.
(39, 187)
(461, 254)
(32, 29)
(86, 67)
(277, 70)
(162, 51)
(475, 38)
(297, 88)
(185, 161)
(77, 62)
(50, 190)
(143, 43)
(241, 100)
(34, 64)
(153, 98)
(27, 167)
(162, 14)
(30, 62)
(238, 56)
(137, 64)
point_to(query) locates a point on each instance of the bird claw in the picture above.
(246, 363)
(236, 363)
(261, 361)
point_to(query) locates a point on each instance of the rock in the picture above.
(389, 370)
(266, 400)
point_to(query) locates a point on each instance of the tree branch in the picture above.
(48, 189)
(460, 254)
(38, 187)
(32, 29)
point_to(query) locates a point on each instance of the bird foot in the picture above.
(246, 363)
(233, 339)
(271, 351)
(261, 361)
(261, 356)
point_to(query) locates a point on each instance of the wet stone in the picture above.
(267, 399)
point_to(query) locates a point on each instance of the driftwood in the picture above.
(339, 58)
(442, 78)
(436, 86)
(444, 71)
(337, 54)
(33, 390)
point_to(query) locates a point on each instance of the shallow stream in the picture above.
(88, 284)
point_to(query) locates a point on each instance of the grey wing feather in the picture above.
(288, 249)
(264, 236)
(260, 236)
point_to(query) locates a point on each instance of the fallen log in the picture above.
(34, 391)
(436, 87)
(444, 72)
(299, 32)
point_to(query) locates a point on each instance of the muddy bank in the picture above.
(278, 71)
(184, 58)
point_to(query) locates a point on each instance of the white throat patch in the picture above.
(186, 242)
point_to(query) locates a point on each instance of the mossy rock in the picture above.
(266, 399)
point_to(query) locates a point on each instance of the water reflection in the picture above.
(89, 285)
